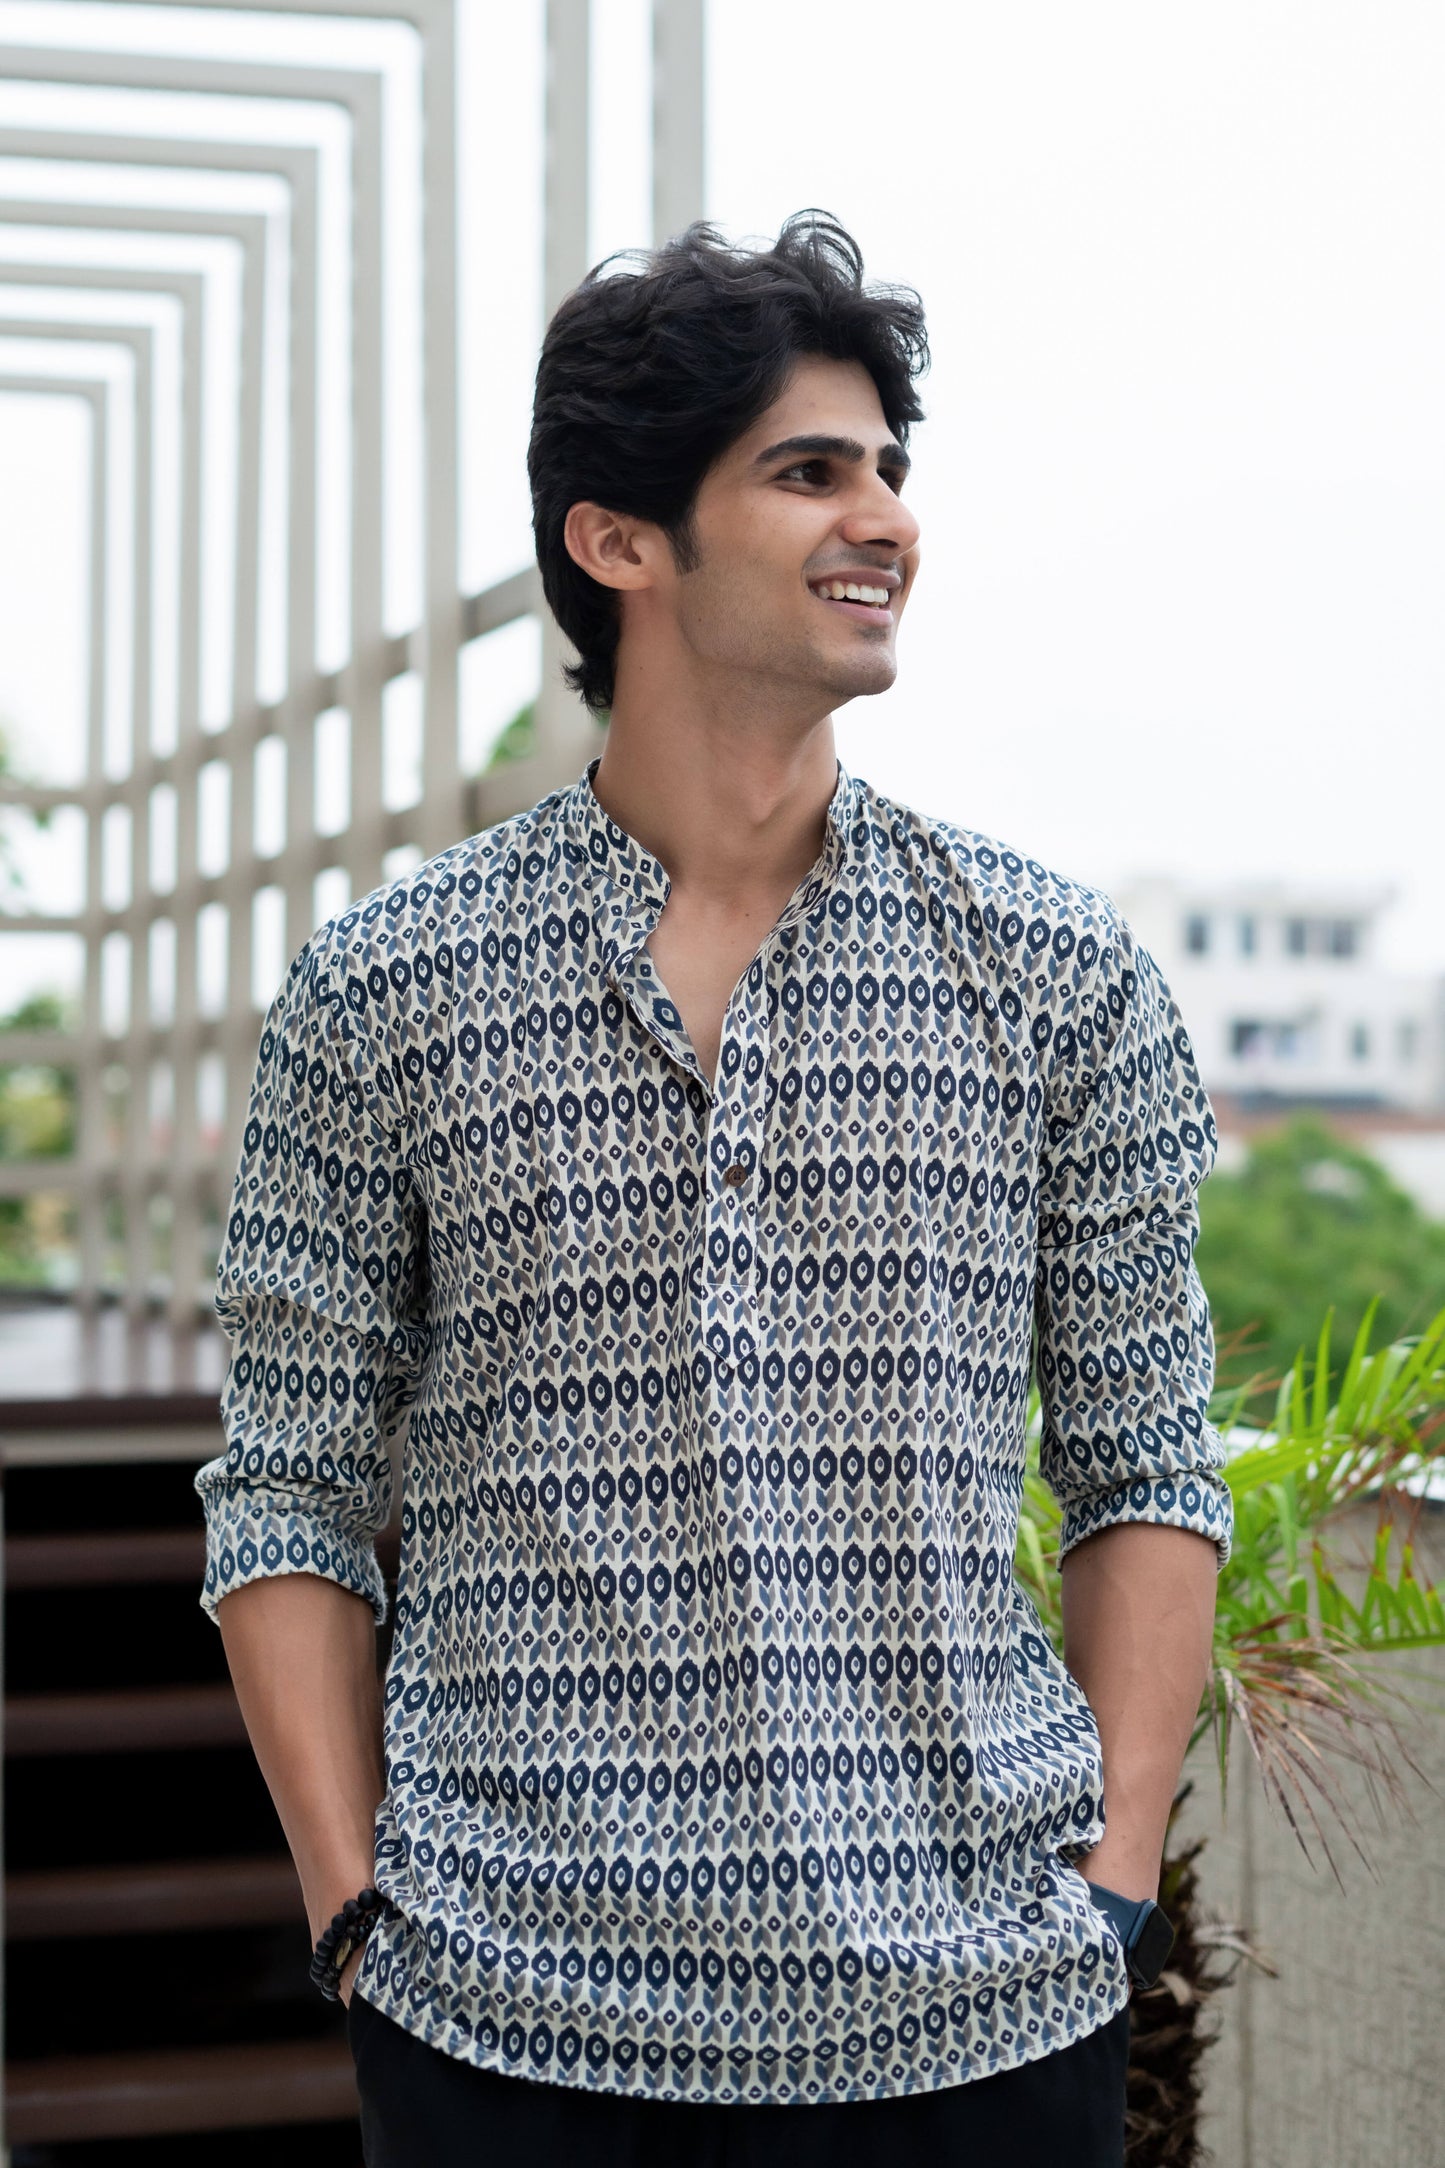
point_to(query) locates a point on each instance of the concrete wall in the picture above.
(1340, 2062)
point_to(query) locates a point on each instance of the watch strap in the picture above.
(1143, 1928)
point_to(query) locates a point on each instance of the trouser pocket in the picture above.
(359, 2017)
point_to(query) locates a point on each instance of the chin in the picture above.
(875, 674)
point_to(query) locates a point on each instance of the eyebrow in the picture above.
(823, 447)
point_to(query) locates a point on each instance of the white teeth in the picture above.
(848, 591)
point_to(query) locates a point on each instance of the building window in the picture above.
(1359, 1042)
(1248, 935)
(1282, 1038)
(1344, 937)
(1196, 934)
(1297, 936)
(1408, 1038)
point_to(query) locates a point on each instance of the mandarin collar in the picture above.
(631, 881)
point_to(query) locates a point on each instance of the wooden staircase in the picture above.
(156, 1944)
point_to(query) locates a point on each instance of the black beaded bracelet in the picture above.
(350, 1928)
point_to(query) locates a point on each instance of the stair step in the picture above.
(129, 1557)
(64, 2098)
(166, 1897)
(152, 1717)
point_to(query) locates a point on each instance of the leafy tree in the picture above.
(517, 740)
(1310, 1222)
(38, 1103)
(37, 1121)
(13, 821)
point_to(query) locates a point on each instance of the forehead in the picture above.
(832, 398)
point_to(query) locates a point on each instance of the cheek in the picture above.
(747, 581)
(772, 542)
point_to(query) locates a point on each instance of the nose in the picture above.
(880, 520)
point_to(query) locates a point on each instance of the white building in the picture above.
(1284, 998)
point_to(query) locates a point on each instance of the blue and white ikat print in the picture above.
(725, 1759)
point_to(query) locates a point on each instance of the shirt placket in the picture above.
(721, 1272)
(628, 920)
(725, 1265)
(723, 1253)
(722, 1278)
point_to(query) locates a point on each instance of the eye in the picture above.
(817, 469)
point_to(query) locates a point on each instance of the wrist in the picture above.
(326, 1894)
(341, 1941)
(333, 1843)
(1132, 1874)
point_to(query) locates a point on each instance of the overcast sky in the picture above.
(1182, 482)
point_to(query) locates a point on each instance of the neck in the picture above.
(731, 803)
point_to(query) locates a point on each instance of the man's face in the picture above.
(805, 504)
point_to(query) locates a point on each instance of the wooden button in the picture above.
(735, 1175)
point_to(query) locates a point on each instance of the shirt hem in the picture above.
(435, 2030)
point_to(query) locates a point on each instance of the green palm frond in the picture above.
(1296, 1623)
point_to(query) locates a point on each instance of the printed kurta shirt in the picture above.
(726, 1760)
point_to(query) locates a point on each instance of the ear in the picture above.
(611, 547)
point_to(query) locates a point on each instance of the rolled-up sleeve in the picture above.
(1125, 1345)
(321, 1290)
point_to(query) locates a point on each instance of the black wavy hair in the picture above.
(647, 376)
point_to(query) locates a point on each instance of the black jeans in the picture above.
(423, 2109)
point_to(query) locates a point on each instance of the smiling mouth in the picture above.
(860, 599)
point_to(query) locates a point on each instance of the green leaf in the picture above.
(1321, 1398)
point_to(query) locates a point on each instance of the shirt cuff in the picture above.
(1192, 1499)
(248, 1541)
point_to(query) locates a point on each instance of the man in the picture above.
(690, 1164)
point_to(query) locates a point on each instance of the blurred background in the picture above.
(272, 284)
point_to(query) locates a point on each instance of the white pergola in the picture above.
(148, 1193)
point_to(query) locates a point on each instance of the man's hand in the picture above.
(1138, 1605)
(348, 1974)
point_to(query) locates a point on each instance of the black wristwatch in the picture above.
(1143, 1928)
